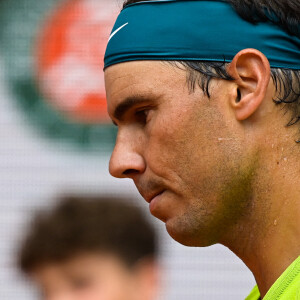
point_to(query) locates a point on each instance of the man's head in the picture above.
(196, 136)
(90, 248)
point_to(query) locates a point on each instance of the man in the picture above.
(206, 97)
(91, 249)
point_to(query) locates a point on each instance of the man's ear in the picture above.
(251, 71)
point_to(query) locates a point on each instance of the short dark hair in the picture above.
(80, 225)
(287, 81)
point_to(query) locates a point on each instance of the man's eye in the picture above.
(142, 115)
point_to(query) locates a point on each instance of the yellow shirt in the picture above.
(286, 287)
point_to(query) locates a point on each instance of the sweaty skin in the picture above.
(215, 170)
(167, 138)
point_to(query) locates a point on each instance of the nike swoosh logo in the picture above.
(117, 30)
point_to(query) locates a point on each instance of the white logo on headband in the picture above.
(117, 30)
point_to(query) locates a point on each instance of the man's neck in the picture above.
(267, 240)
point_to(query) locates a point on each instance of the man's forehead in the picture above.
(141, 78)
(129, 71)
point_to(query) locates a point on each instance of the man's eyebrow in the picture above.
(127, 104)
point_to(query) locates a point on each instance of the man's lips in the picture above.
(149, 198)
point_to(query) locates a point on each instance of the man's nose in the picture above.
(126, 160)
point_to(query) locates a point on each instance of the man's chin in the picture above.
(184, 236)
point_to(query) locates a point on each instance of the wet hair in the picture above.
(287, 82)
(83, 225)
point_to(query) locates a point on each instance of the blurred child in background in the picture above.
(91, 249)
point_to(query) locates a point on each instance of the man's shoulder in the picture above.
(286, 287)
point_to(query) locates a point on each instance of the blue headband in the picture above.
(195, 30)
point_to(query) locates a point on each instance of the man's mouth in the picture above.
(155, 206)
(152, 196)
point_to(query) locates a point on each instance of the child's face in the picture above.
(96, 277)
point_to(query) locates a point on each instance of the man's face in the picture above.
(94, 277)
(183, 150)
